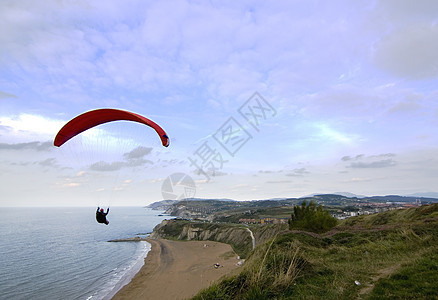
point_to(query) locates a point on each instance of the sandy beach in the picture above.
(179, 269)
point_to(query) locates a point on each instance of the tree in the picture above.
(311, 217)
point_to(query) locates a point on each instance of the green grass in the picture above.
(415, 280)
(426, 213)
(392, 255)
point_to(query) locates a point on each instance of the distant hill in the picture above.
(345, 194)
(210, 199)
(397, 198)
(425, 195)
(162, 205)
(205, 208)
(166, 204)
(349, 195)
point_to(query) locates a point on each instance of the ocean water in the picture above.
(63, 253)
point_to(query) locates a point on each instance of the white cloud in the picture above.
(325, 132)
(71, 184)
(27, 127)
(406, 12)
(358, 179)
(373, 161)
(410, 52)
(37, 146)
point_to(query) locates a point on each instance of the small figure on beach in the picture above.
(101, 216)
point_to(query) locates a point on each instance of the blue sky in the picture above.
(344, 94)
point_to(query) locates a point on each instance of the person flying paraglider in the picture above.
(93, 118)
(101, 216)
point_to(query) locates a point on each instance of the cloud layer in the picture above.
(350, 80)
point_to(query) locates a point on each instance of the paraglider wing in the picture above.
(100, 116)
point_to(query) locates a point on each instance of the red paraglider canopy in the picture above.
(100, 116)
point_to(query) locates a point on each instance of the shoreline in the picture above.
(127, 277)
(179, 269)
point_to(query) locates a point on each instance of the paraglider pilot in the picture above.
(101, 216)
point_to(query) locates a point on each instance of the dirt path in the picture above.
(381, 274)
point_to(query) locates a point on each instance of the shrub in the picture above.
(311, 217)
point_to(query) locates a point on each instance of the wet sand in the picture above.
(179, 269)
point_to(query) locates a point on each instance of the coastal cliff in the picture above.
(242, 238)
(237, 236)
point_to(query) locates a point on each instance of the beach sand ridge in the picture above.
(179, 269)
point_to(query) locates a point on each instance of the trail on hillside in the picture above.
(386, 272)
(381, 274)
(252, 237)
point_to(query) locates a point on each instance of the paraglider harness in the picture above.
(101, 216)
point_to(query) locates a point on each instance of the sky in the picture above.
(260, 99)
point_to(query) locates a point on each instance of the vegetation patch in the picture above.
(415, 280)
(311, 217)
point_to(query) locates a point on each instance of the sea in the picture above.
(63, 253)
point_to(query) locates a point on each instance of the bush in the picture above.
(311, 217)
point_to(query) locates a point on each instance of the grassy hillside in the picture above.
(391, 255)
